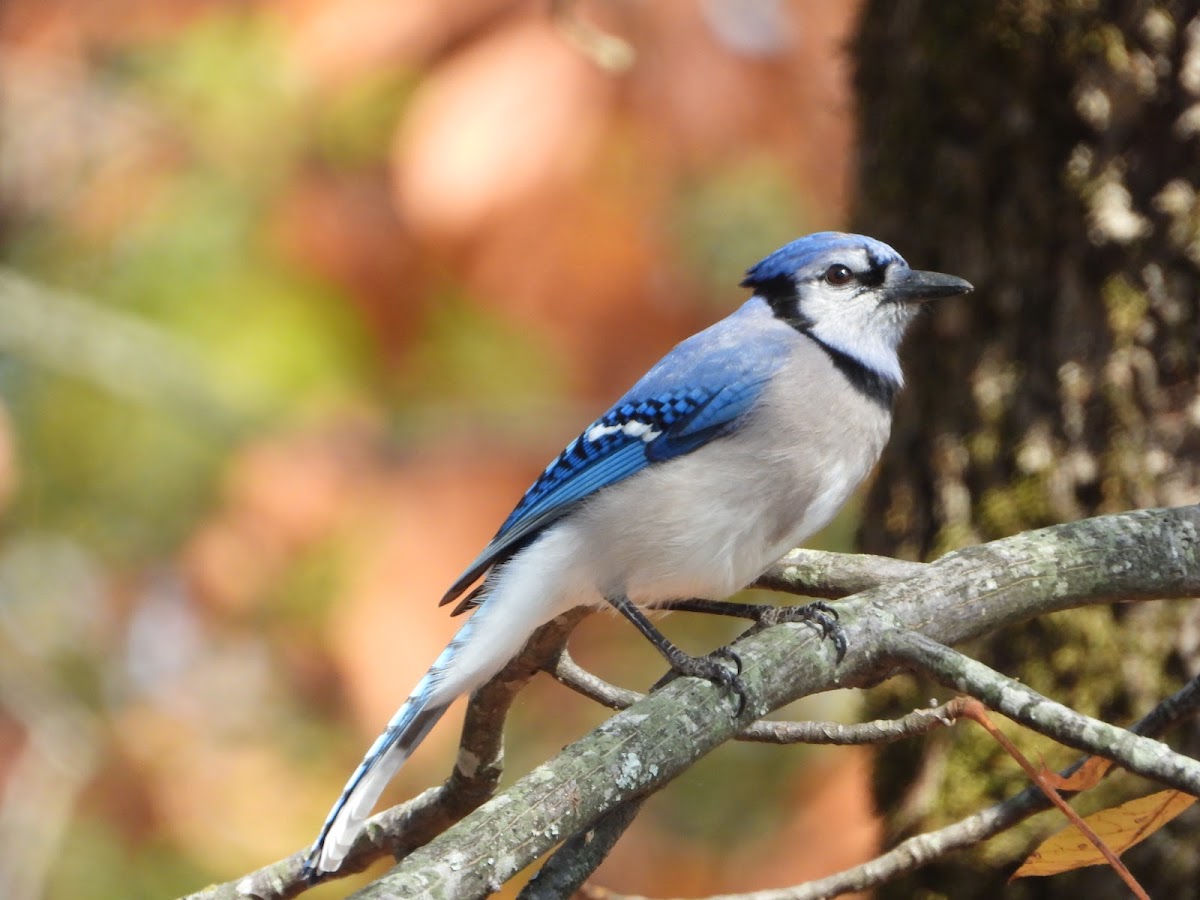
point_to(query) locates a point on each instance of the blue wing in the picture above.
(695, 394)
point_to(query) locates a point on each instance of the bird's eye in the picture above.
(838, 275)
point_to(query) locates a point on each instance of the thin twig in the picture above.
(569, 673)
(1020, 703)
(927, 848)
(880, 731)
(976, 711)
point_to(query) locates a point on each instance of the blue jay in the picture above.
(735, 447)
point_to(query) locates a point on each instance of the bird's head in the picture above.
(852, 293)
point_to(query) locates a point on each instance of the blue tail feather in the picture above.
(407, 729)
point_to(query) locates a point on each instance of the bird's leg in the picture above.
(711, 668)
(818, 613)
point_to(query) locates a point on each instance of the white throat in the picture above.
(875, 348)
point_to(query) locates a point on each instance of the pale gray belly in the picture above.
(707, 524)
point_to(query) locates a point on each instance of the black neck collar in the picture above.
(779, 293)
(872, 384)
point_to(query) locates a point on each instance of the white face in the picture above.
(844, 300)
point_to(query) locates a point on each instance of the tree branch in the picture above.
(881, 731)
(572, 863)
(1138, 754)
(1138, 555)
(832, 576)
(473, 780)
(570, 674)
(924, 849)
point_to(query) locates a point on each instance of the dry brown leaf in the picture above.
(1121, 827)
(1086, 776)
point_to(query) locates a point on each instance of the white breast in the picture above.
(707, 524)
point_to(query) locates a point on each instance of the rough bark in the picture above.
(1050, 153)
(1133, 557)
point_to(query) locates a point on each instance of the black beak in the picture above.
(915, 286)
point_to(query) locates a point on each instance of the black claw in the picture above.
(739, 689)
(825, 608)
(824, 617)
(710, 668)
(839, 645)
(730, 654)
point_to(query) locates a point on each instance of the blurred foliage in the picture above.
(252, 344)
(731, 214)
(475, 365)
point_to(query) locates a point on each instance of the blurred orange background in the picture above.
(295, 300)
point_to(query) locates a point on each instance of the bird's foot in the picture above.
(818, 613)
(713, 668)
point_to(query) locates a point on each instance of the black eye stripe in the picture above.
(840, 274)
(874, 276)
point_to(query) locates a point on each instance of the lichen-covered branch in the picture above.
(1140, 755)
(934, 845)
(831, 576)
(572, 863)
(1141, 555)
(880, 731)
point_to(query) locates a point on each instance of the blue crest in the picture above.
(815, 250)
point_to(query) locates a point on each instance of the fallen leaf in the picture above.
(1121, 827)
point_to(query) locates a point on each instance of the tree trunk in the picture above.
(1050, 153)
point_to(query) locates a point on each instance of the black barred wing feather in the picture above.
(632, 435)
